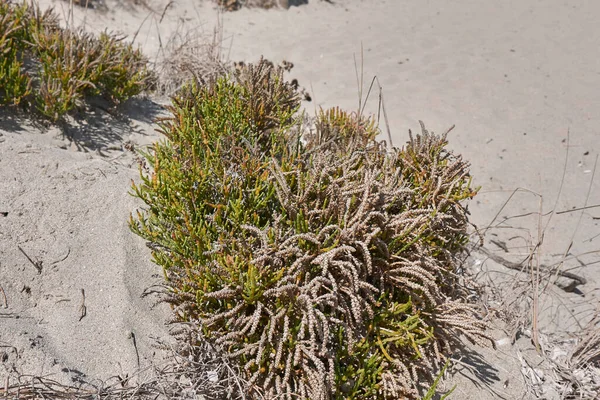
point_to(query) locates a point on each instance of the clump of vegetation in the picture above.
(55, 70)
(323, 262)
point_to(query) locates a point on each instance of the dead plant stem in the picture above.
(4, 297)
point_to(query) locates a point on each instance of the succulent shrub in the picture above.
(323, 262)
(15, 85)
(56, 70)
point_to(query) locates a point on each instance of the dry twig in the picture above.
(82, 306)
(5, 300)
(36, 264)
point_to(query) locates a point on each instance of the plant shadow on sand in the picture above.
(297, 3)
(10, 122)
(473, 365)
(97, 128)
(102, 128)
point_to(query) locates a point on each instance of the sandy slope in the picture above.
(68, 210)
(514, 76)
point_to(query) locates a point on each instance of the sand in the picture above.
(519, 80)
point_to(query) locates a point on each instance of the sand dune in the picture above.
(514, 77)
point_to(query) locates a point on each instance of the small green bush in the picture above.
(15, 85)
(57, 69)
(322, 262)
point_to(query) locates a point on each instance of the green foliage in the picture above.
(432, 390)
(339, 128)
(14, 84)
(322, 262)
(56, 69)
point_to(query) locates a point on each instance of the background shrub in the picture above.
(56, 70)
(321, 261)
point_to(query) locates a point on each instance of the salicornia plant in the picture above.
(320, 260)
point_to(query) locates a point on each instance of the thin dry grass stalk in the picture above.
(581, 372)
(587, 350)
(531, 295)
(190, 56)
